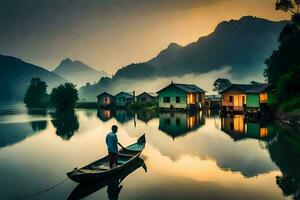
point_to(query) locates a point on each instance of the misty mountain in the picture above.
(77, 72)
(16, 75)
(242, 44)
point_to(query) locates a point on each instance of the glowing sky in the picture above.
(109, 34)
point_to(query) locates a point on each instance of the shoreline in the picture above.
(288, 118)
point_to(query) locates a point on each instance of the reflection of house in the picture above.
(180, 123)
(181, 96)
(104, 114)
(238, 128)
(146, 116)
(123, 98)
(146, 97)
(123, 115)
(242, 97)
(105, 99)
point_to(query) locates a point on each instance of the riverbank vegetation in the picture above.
(63, 98)
(36, 95)
(283, 66)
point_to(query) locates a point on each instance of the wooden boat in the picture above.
(113, 183)
(100, 168)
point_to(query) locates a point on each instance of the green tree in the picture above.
(283, 65)
(221, 84)
(288, 5)
(66, 124)
(36, 94)
(64, 97)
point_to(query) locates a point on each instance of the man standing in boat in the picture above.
(112, 146)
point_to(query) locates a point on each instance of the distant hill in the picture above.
(243, 44)
(16, 74)
(77, 72)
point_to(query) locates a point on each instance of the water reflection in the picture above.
(239, 128)
(121, 115)
(177, 124)
(37, 112)
(13, 133)
(38, 126)
(285, 152)
(104, 115)
(112, 183)
(66, 124)
(206, 163)
(146, 116)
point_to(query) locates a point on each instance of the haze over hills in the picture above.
(242, 44)
(77, 72)
(16, 75)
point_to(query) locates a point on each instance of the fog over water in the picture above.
(203, 80)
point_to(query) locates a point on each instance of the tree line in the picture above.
(63, 98)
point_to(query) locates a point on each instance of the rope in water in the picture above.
(42, 191)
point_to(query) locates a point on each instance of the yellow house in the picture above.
(245, 98)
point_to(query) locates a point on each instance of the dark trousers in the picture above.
(113, 159)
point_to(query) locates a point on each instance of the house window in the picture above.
(106, 100)
(121, 99)
(244, 99)
(263, 132)
(191, 98)
(166, 99)
(143, 99)
(231, 99)
(177, 99)
(263, 97)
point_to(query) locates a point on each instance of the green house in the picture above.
(181, 96)
(246, 98)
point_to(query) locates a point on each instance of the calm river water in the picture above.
(187, 156)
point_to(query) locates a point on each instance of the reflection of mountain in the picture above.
(179, 123)
(13, 133)
(238, 129)
(66, 124)
(112, 183)
(285, 152)
(146, 116)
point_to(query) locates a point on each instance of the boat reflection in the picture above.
(177, 124)
(66, 124)
(238, 128)
(112, 183)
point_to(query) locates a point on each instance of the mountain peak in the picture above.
(66, 61)
(173, 45)
(78, 72)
